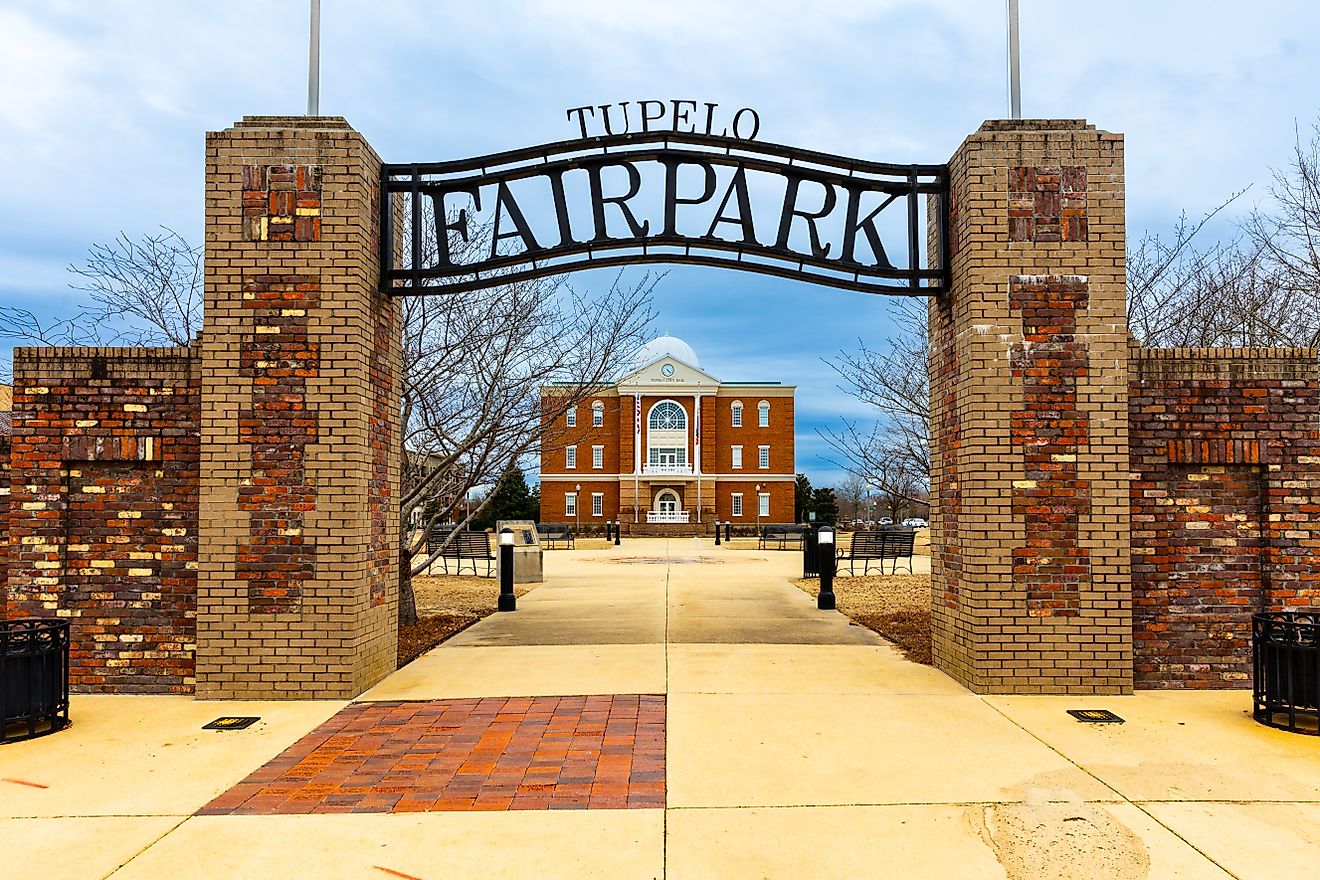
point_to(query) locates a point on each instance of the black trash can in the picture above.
(810, 552)
(1285, 649)
(34, 677)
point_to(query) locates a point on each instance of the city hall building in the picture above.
(670, 443)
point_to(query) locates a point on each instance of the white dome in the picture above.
(666, 346)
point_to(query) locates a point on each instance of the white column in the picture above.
(637, 453)
(696, 451)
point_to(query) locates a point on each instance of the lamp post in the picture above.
(757, 490)
(825, 565)
(577, 508)
(508, 600)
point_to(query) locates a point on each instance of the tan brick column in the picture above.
(297, 579)
(1030, 573)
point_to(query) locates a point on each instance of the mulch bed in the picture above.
(909, 630)
(415, 639)
(896, 606)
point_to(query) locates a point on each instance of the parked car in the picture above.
(886, 521)
(914, 522)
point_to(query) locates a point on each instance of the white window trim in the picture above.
(571, 417)
(737, 410)
(598, 457)
(763, 457)
(763, 504)
(570, 504)
(736, 457)
(687, 417)
(597, 503)
(735, 504)
(763, 414)
(570, 457)
(597, 415)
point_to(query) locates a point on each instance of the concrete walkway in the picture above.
(796, 746)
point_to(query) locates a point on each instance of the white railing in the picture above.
(664, 516)
(668, 470)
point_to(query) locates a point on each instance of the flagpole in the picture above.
(1014, 64)
(314, 63)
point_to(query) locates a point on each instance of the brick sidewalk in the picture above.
(502, 753)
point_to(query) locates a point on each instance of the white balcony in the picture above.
(667, 516)
(667, 470)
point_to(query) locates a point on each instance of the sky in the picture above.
(103, 106)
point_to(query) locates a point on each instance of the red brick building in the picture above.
(669, 443)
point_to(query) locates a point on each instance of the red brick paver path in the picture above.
(500, 753)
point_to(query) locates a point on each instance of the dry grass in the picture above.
(897, 606)
(447, 604)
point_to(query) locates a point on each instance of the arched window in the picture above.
(737, 413)
(667, 416)
(763, 413)
(597, 414)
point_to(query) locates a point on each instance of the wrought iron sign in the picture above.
(670, 192)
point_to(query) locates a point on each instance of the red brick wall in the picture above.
(718, 456)
(557, 436)
(1225, 505)
(781, 501)
(552, 500)
(279, 359)
(4, 514)
(104, 483)
(1053, 567)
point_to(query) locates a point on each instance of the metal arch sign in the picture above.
(666, 196)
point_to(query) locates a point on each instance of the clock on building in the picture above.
(667, 370)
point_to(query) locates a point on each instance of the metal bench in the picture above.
(473, 547)
(879, 544)
(555, 533)
(781, 535)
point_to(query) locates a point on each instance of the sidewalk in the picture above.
(679, 710)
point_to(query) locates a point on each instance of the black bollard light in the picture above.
(825, 541)
(717, 533)
(618, 528)
(609, 529)
(508, 601)
(728, 530)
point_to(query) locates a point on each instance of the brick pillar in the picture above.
(1030, 574)
(297, 580)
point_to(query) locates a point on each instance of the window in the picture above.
(597, 504)
(570, 457)
(598, 456)
(662, 456)
(763, 413)
(737, 504)
(597, 414)
(737, 456)
(667, 416)
(763, 504)
(572, 418)
(737, 413)
(570, 504)
(763, 457)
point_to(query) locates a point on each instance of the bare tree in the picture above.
(852, 494)
(1286, 234)
(892, 454)
(150, 290)
(1181, 294)
(1261, 288)
(474, 367)
(144, 292)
